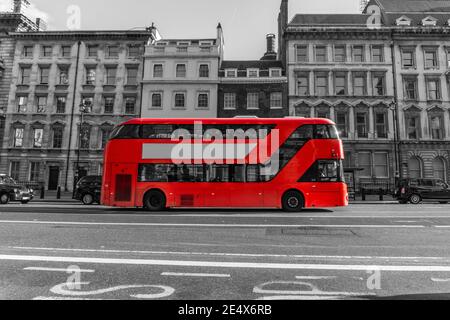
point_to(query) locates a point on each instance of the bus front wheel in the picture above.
(293, 201)
(155, 200)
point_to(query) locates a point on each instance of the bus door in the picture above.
(123, 184)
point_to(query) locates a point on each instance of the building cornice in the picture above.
(253, 80)
(80, 35)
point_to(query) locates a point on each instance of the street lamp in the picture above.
(85, 108)
(398, 169)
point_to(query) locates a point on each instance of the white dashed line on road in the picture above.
(202, 275)
(67, 270)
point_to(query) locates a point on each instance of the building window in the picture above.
(181, 71)
(91, 73)
(41, 105)
(381, 164)
(364, 163)
(132, 75)
(35, 171)
(340, 54)
(38, 135)
(61, 105)
(275, 73)
(180, 100)
(321, 85)
(431, 60)
(66, 51)
(377, 54)
(25, 73)
(342, 123)
(408, 59)
(436, 126)
(18, 137)
(410, 88)
(47, 51)
(203, 100)
(113, 52)
(302, 53)
(105, 132)
(28, 51)
(415, 168)
(252, 101)
(92, 51)
(359, 84)
(85, 137)
(323, 112)
(252, 73)
(14, 170)
(381, 124)
(44, 75)
(58, 132)
(156, 100)
(303, 85)
(439, 169)
(433, 89)
(134, 51)
(231, 73)
(63, 75)
(109, 105)
(340, 84)
(413, 126)
(204, 71)
(111, 76)
(358, 53)
(22, 103)
(379, 85)
(276, 100)
(362, 124)
(321, 54)
(229, 101)
(130, 105)
(157, 71)
(88, 101)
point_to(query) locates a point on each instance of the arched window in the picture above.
(439, 169)
(415, 168)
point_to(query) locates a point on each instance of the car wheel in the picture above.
(87, 199)
(155, 201)
(292, 201)
(415, 199)
(4, 198)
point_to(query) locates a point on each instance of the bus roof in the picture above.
(237, 120)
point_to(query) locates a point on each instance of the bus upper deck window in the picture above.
(326, 132)
(129, 131)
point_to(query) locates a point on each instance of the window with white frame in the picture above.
(374, 164)
(91, 73)
(204, 71)
(180, 100)
(66, 51)
(433, 88)
(111, 73)
(108, 104)
(18, 137)
(61, 104)
(252, 101)
(63, 75)
(130, 105)
(340, 54)
(229, 99)
(359, 84)
(203, 100)
(275, 72)
(25, 74)
(276, 100)
(132, 76)
(302, 53)
(27, 51)
(358, 53)
(158, 70)
(377, 53)
(181, 70)
(38, 135)
(303, 85)
(253, 73)
(44, 73)
(431, 58)
(22, 104)
(230, 73)
(41, 104)
(321, 54)
(112, 52)
(156, 100)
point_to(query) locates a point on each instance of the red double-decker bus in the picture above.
(290, 164)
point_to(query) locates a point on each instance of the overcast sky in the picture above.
(245, 22)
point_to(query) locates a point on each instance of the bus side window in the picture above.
(129, 131)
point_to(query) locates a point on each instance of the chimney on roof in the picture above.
(270, 54)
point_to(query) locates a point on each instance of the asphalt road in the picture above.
(66, 251)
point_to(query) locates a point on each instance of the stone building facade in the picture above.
(181, 78)
(253, 87)
(386, 87)
(53, 74)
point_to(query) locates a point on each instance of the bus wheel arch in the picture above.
(293, 200)
(155, 200)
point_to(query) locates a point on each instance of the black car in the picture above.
(10, 190)
(88, 189)
(417, 190)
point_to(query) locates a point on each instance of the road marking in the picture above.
(440, 280)
(218, 254)
(223, 264)
(57, 270)
(315, 277)
(205, 275)
(204, 225)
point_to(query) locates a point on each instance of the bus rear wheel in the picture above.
(155, 200)
(292, 201)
